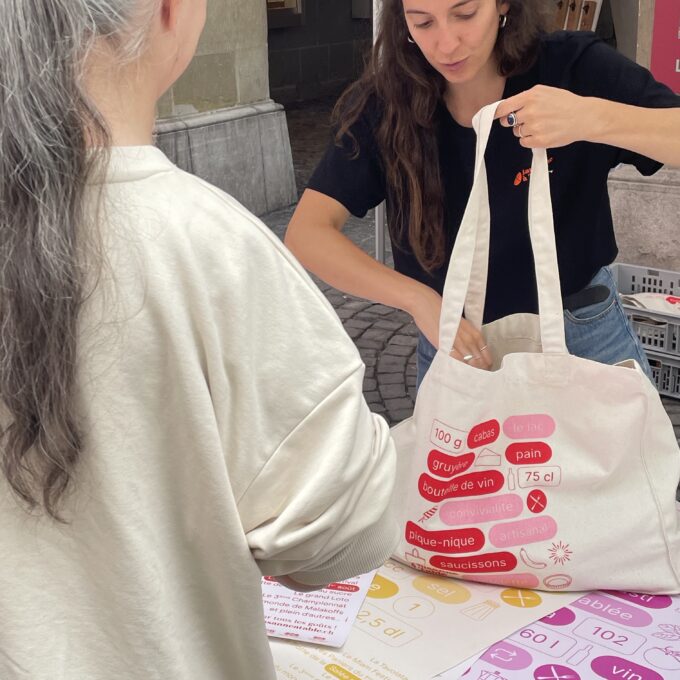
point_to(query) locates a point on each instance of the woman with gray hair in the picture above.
(171, 426)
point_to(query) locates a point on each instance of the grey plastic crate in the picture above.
(658, 332)
(666, 373)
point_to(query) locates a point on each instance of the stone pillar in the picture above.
(218, 120)
(633, 21)
(645, 209)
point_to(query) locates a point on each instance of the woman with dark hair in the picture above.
(403, 133)
(162, 442)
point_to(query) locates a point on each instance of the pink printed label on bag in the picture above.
(528, 453)
(535, 426)
(448, 542)
(443, 465)
(484, 563)
(484, 434)
(523, 531)
(507, 506)
(473, 484)
(510, 580)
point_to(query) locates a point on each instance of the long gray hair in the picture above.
(47, 125)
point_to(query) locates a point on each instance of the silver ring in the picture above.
(481, 349)
(469, 357)
(512, 119)
(519, 131)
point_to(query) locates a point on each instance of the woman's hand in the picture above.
(546, 117)
(469, 345)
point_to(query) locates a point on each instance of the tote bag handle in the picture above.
(466, 280)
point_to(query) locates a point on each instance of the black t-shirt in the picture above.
(578, 62)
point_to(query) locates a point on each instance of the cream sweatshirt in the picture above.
(226, 437)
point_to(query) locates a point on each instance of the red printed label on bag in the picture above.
(447, 466)
(480, 564)
(528, 453)
(473, 484)
(445, 437)
(673, 300)
(484, 434)
(537, 501)
(448, 542)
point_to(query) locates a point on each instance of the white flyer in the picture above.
(413, 626)
(324, 617)
(460, 670)
(297, 661)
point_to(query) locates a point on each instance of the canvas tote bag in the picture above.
(550, 471)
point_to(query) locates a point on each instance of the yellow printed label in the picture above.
(442, 589)
(382, 588)
(521, 598)
(340, 672)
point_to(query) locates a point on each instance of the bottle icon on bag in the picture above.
(580, 655)
(512, 485)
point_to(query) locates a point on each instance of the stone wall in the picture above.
(646, 210)
(646, 213)
(218, 120)
(634, 20)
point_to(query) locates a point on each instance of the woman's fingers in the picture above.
(521, 132)
(473, 357)
(509, 110)
(546, 117)
(470, 347)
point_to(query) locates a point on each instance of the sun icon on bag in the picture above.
(560, 553)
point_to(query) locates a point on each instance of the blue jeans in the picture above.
(599, 332)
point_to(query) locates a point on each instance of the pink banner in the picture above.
(665, 63)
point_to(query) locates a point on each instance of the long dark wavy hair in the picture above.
(408, 90)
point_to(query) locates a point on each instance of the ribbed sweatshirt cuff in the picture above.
(370, 549)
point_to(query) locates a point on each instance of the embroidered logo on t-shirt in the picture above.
(524, 175)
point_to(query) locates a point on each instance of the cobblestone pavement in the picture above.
(386, 337)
